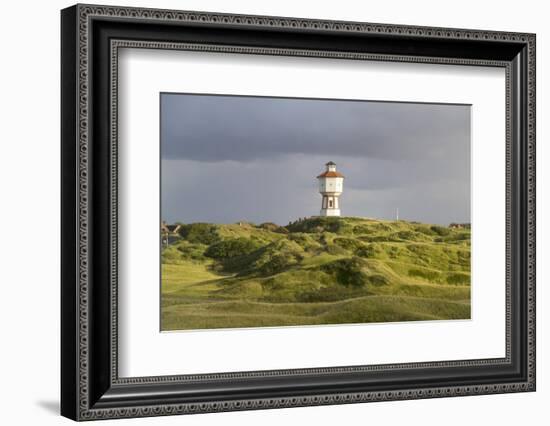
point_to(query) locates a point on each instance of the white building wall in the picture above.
(330, 188)
(328, 184)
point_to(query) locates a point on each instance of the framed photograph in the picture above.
(263, 212)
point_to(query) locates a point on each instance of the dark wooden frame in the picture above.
(90, 386)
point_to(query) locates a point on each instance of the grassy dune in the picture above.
(314, 271)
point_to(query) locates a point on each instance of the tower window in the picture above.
(330, 203)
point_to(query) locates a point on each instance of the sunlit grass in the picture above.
(400, 271)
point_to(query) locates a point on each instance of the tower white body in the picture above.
(331, 185)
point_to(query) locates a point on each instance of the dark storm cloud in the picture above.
(217, 128)
(227, 158)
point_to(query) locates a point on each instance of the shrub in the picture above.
(203, 233)
(425, 274)
(348, 272)
(424, 230)
(170, 255)
(463, 257)
(392, 238)
(409, 236)
(378, 279)
(317, 224)
(347, 243)
(393, 251)
(335, 250)
(383, 227)
(412, 236)
(440, 230)
(275, 257)
(282, 230)
(462, 236)
(366, 251)
(458, 278)
(304, 241)
(361, 229)
(273, 227)
(277, 263)
(231, 248)
(299, 238)
(269, 226)
(191, 251)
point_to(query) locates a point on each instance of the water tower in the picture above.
(331, 184)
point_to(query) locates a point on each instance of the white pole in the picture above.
(397, 214)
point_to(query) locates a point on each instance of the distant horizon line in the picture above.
(177, 222)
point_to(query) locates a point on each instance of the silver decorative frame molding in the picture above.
(86, 405)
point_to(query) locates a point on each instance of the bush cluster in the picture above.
(202, 233)
(273, 227)
(425, 274)
(277, 257)
(317, 224)
(458, 278)
(361, 229)
(191, 251)
(348, 243)
(230, 248)
(366, 251)
(440, 230)
(348, 272)
(277, 263)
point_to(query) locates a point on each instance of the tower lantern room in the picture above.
(331, 184)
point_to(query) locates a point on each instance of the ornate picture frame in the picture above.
(91, 37)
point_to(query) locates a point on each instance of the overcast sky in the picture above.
(228, 158)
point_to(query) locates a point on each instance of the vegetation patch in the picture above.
(347, 243)
(203, 233)
(348, 272)
(305, 241)
(317, 225)
(191, 251)
(425, 274)
(170, 255)
(440, 230)
(369, 250)
(277, 257)
(273, 227)
(318, 270)
(458, 278)
(361, 229)
(230, 248)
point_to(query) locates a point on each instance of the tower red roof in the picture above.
(330, 174)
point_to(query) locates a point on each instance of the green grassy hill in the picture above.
(314, 271)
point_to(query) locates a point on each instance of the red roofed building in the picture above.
(331, 184)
